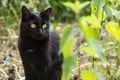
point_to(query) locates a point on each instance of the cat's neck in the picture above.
(26, 38)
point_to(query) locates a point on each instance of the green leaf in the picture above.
(88, 75)
(115, 13)
(118, 74)
(4, 3)
(82, 5)
(68, 65)
(68, 48)
(92, 74)
(99, 75)
(66, 35)
(93, 33)
(73, 6)
(89, 31)
(93, 21)
(98, 49)
(97, 6)
(89, 51)
(76, 7)
(112, 1)
(113, 29)
(101, 16)
(83, 25)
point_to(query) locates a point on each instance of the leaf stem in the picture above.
(93, 62)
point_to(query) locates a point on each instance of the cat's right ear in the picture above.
(25, 12)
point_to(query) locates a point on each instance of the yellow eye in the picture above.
(33, 25)
(44, 26)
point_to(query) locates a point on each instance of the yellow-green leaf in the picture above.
(101, 16)
(88, 75)
(92, 74)
(113, 29)
(67, 33)
(97, 6)
(93, 21)
(68, 65)
(68, 48)
(98, 49)
(73, 6)
(89, 51)
(76, 7)
(89, 31)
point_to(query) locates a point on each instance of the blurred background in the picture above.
(90, 37)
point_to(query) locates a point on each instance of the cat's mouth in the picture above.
(37, 37)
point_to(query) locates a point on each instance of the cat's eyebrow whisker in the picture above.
(29, 50)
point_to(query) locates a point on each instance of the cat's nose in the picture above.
(39, 34)
(40, 31)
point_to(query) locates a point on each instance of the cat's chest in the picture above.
(34, 53)
(35, 49)
(32, 48)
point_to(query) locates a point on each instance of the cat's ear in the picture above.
(46, 13)
(25, 12)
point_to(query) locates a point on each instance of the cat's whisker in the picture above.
(29, 50)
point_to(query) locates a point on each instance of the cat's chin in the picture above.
(40, 38)
(37, 38)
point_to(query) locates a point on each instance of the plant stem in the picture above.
(118, 56)
(93, 62)
(118, 62)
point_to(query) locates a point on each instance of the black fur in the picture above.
(39, 47)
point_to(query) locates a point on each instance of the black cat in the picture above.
(39, 47)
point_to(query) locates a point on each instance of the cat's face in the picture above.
(35, 25)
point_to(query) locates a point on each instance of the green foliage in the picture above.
(118, 74)
(89, 51)
(89, 27)
(68, 65)
(11, 11)
(97, 6)
(66, 36)
(98, 20)
(98, 49)
(99, 75)
(113, 29)
(101, 12)
(76, 7)
(95, 49)
(66, 47)
(60, 12)
(88, 75)
(118, 45)
(92, 74)
(116, 13)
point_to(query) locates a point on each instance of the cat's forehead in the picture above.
(37, 14)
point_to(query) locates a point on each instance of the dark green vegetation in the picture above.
(90, 32)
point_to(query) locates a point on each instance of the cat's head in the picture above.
(35, 24)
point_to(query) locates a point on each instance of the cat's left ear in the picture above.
(46, 13)
(25, 12)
